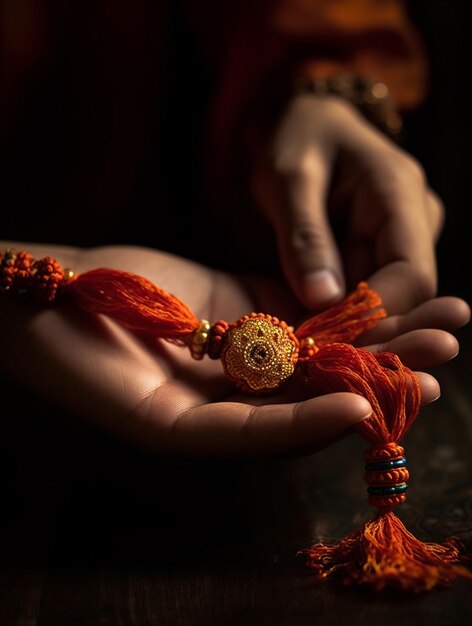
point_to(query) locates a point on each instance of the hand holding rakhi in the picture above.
(159, 397)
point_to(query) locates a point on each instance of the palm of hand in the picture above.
(159, 397)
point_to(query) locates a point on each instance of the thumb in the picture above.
(237, 428)
(307, 248)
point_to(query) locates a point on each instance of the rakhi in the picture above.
(259, 353)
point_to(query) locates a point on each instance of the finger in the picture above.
(430, 388)
(445, 313)
(405, 249)
(421, 349)
(398, 284)
(236, 428)
(394, 210)
(307, 247)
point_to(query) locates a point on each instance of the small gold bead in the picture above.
(68, 274)
(379, 91)
(309, 341)
(199, 340)
(394, 122)
(9, 257)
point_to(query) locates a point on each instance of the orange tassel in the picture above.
(383, 553)
(346, 320)
(135, 302)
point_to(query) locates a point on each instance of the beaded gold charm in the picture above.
(259, 352)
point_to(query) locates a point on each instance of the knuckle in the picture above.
(438, 207)
(307, 236)
(399, 167)
(416, 171)
(425, 285)
(301, 166)
(411, 169)
(441, 209)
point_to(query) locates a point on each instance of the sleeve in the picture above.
(371, 38)
(266, 46)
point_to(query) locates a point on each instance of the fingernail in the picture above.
(320, 287)
(365, 409)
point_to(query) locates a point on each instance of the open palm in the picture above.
(158, 397)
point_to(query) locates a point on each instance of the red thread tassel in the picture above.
(135, 302)
(383, 553)
(346, 320)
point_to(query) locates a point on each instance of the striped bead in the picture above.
(380, 466)
(387, 491)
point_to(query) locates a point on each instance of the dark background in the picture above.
(438, 134)
(92, 533)
(166, 205)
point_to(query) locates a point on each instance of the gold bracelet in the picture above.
(371, 97)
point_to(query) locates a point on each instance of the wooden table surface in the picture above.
(95, 534)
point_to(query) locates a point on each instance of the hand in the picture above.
(347, 205)
(157, 396)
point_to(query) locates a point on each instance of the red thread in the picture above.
(389, 477)
(384, 452)
(19, 272)
(215, 342)
(135, 302)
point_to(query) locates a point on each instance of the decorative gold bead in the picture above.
(259, 354)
